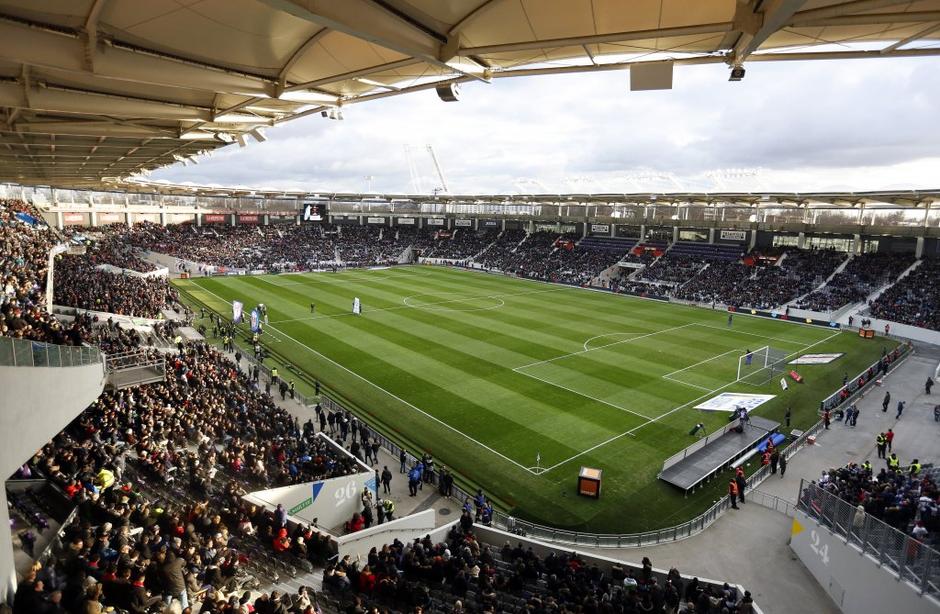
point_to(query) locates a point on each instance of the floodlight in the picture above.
(737, 73)
(448, 92)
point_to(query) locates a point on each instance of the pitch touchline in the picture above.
(672, 411)
(393, 395)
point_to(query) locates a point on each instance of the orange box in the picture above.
(589, 482)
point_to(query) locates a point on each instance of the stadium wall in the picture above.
(857, 583)
(405, 529)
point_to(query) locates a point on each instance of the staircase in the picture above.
(133, 368)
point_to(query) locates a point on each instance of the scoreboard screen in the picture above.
(314, 212)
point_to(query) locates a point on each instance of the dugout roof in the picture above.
(95, 89)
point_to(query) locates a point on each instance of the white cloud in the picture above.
(857, 124)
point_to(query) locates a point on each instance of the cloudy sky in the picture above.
(793, 126)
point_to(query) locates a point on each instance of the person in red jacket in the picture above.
(282, 541)
(733, 494)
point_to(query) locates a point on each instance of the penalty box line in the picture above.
(391, 394)
(632, 431)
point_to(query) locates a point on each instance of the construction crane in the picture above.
(417, 181)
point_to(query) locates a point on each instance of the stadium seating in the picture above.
(915, 299)
(860, 277)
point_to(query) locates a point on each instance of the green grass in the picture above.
(488, 372)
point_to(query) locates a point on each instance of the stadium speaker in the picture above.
(449, 92)
(651, 76)
(737, 73)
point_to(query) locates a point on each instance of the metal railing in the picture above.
(866, 378)
(27, 353)
(909, 558)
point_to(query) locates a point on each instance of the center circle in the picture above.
(436, 303)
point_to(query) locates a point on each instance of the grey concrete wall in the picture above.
(854, 581)
(37, 403)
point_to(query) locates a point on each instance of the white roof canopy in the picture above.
(95, 89)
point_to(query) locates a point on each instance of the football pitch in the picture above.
(516, 384)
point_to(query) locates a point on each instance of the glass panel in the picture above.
(6, 351)
(24, 353)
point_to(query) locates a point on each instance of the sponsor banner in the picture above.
(73, 218)
(733, 235)
(405, 221)
(490, 224)
(600, 228)
(109, 218)
(249, 218)
(463, 223)
(629, 264)
(281, 219)
(731, 401)
(815, 359)
(434, 221)
(783, 316)
(375, 220)
(213, 218)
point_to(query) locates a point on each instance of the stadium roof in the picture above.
(896, 199)
(94, 89)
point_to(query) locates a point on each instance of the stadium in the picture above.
(653, 396)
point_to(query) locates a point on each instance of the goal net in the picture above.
(757, 367)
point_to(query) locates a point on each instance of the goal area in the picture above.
(757, 367)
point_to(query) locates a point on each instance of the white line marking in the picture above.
(683, 406)
(585, 346)
(601, 347)
(581, 394)
(430, 306)
(392, 395)
(701, 362)
(679, 381)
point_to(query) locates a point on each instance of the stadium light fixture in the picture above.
(448, 92)
(737, 73)
(332, 113)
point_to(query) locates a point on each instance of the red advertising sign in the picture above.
(249, 218)
(213, 218)
(73, 218)
(109, 218)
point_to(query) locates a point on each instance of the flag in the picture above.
(255, 320)
(538, 459)
(237, 308)
(357, 306)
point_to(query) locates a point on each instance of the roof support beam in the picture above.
(298, 53)
(368, 21)
(474, 14)
(913, 37)
(352, 75)
(877, 19)
(90, 34)
(773, 16)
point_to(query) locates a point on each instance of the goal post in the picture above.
(757, 367)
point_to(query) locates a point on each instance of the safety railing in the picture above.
(866, 378)
(906, 556)
(27, 353)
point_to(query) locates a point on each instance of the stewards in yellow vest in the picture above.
(893, 462)
(915, 468)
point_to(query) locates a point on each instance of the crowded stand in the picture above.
(271, 248)
(25, 242)
(902, 497)
(914, 300)
(579, 265)
(502, 250)
(461, 574)
(762, 286)
(363, 246)
(107, 246)
(466, 243)
(78, 283)
(158, 473)
(862, 275)
(526, 259)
